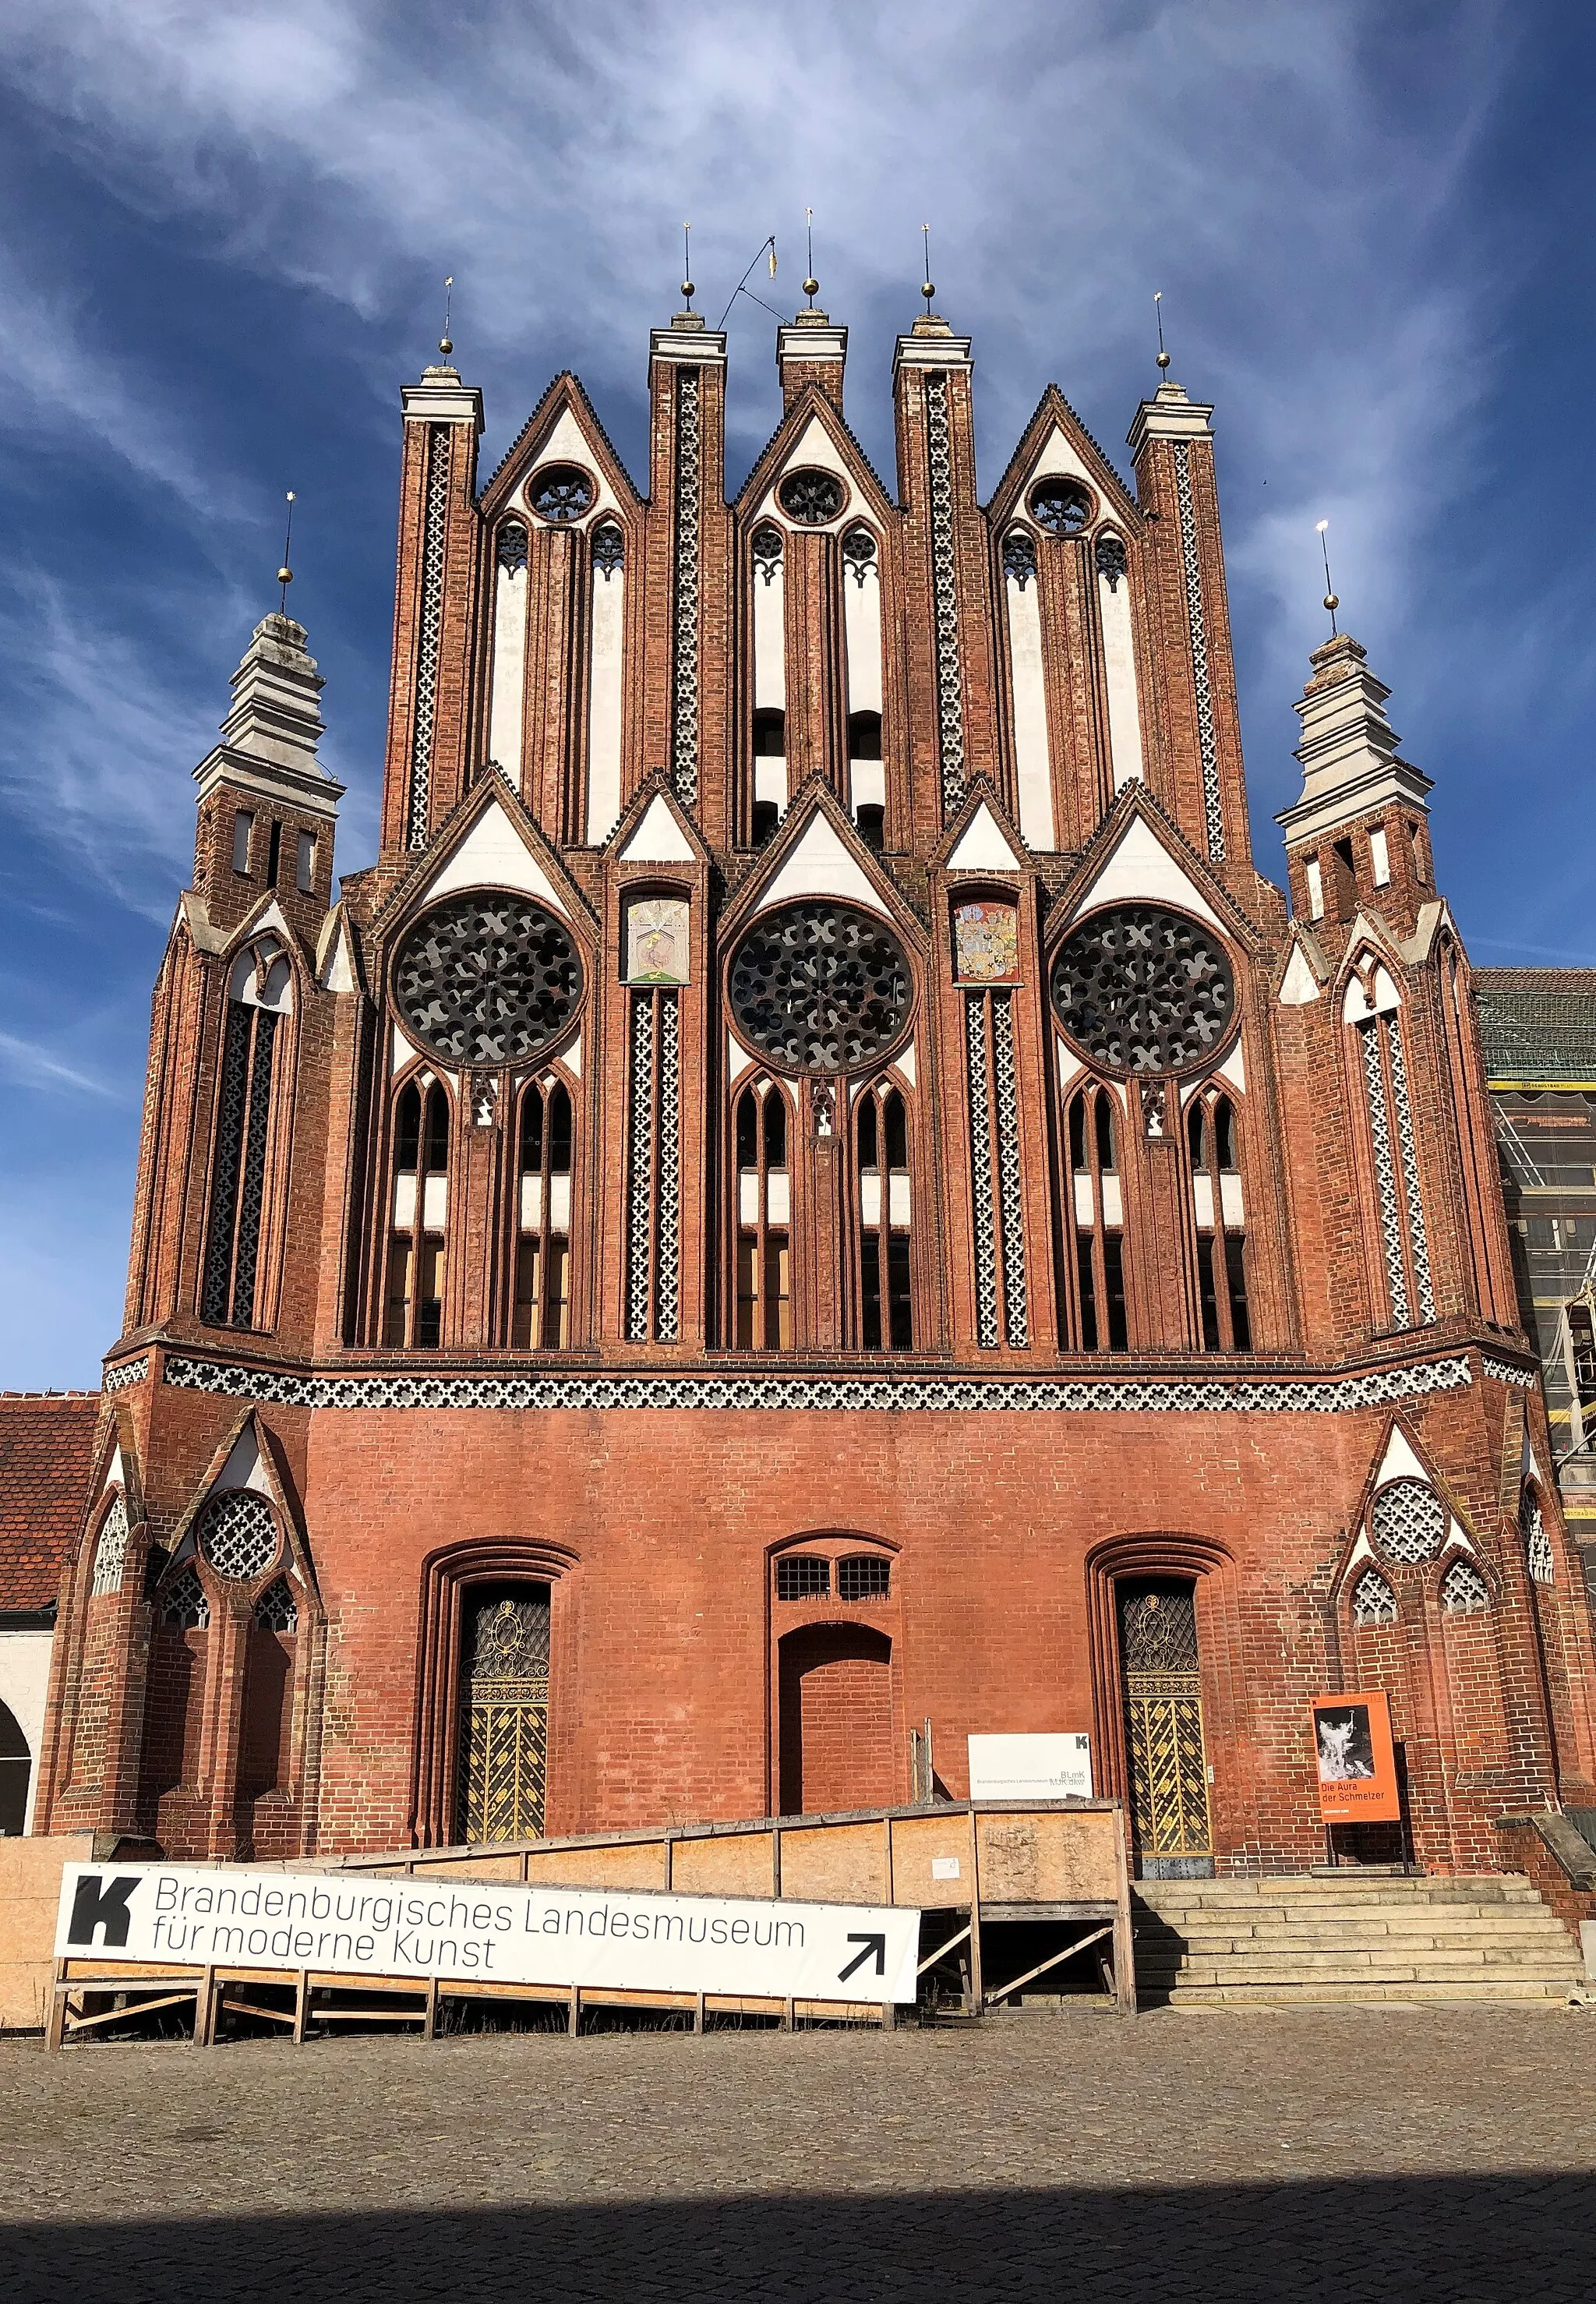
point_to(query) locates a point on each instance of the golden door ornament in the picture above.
(1165, 1748)
(504, 1714)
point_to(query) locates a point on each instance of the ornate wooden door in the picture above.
(504, 1714)
(1167, 1758)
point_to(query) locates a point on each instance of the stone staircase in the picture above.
(1349, 1937)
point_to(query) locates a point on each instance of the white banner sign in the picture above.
(1030, 1767)
(352, 1924)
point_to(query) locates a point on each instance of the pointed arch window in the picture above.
(543, 1243)
(1374, 1601)
(1092, 1130)
(1464, 1592)
(885, 1207)
(413, 1315)
(259, 996)
(110, 1551)
(761, 1126)
(1537, 1539)
(1219, 1215)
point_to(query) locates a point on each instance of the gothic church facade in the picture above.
(812, 1202)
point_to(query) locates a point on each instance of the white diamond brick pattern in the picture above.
(433, 531)
(1213, 815)
(944, 591)
(1464, 1592)
(1410, 1171)
(846, 1395)
(1385, 1175)
(1408, 1522)
(1374, 1601)
(110, 1554)
(1016, 1315)
(639, 1182)
(238, 1535)
(985, 1212)
(684, 730)
(667, 1212)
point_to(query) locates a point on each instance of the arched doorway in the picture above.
(835, 1714)
(1165, 1750)
(503, 1712)
(16, 1763)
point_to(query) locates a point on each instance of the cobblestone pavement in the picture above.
(1443, 2155)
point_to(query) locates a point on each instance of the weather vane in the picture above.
(927, 285)
(446, 342)
(1158, 310)
(1331, 598)
(285, 574)
(687, 263)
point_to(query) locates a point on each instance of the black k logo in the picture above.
(94, 1908)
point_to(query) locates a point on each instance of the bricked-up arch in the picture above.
(451, 1580)
(1210, 1568)
(837, 1748)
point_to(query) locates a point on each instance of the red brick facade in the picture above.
(491, 1234)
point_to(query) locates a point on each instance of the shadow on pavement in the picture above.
(1446, 2240)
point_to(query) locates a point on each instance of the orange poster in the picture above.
(1357, 1764)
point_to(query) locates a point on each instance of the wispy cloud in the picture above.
(29, 1065)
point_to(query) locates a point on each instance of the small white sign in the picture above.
(944, 1867)
(1030, 1767)
(352, 1924)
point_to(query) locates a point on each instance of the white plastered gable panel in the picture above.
(983, 846)
(567, 444)
(1059, 453)
(814, 450)
(1141, 871)
(819, 865)
(657, 838)
(493, 855)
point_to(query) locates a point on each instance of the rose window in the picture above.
(811, 498)
(238, 1535)
(488, 979)
(1409, 1521)
(820, 987)
(1139, 989)
(560, 492)
(1063, 507)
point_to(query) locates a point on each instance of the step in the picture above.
(1419, 1930)
(1551, 1992)
(1268, 1919)
(1162, 1895)
(1352, 1966)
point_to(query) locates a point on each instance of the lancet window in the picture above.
(543, 1239)
(259, 998)
(761, 1128)
(1092, 1124)
(885, 1208)
(413, 1312)
(1218, 1210)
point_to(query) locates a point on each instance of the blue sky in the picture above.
(228, 225)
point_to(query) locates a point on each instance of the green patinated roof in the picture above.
(1538, 1023)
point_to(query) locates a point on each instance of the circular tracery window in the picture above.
(1063, 507)
(560, 492)
(811, 498)
(1140, 989)
(1409, 1520)
(488, 979)
(238, 1535)
(820, 987)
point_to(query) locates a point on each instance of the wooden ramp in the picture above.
(1008, 1892)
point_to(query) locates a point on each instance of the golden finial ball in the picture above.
(1163, 359)
(286, 575)
(687, 288)
(1332, 601)
(811, 287)
(928, 289)
(445, 346)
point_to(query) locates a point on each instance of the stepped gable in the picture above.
(45, 1443)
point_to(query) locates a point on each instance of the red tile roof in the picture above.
(46, 1442)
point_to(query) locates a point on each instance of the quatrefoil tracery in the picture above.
(1142, 990)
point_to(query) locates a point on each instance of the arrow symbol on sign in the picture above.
(876, 1945)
